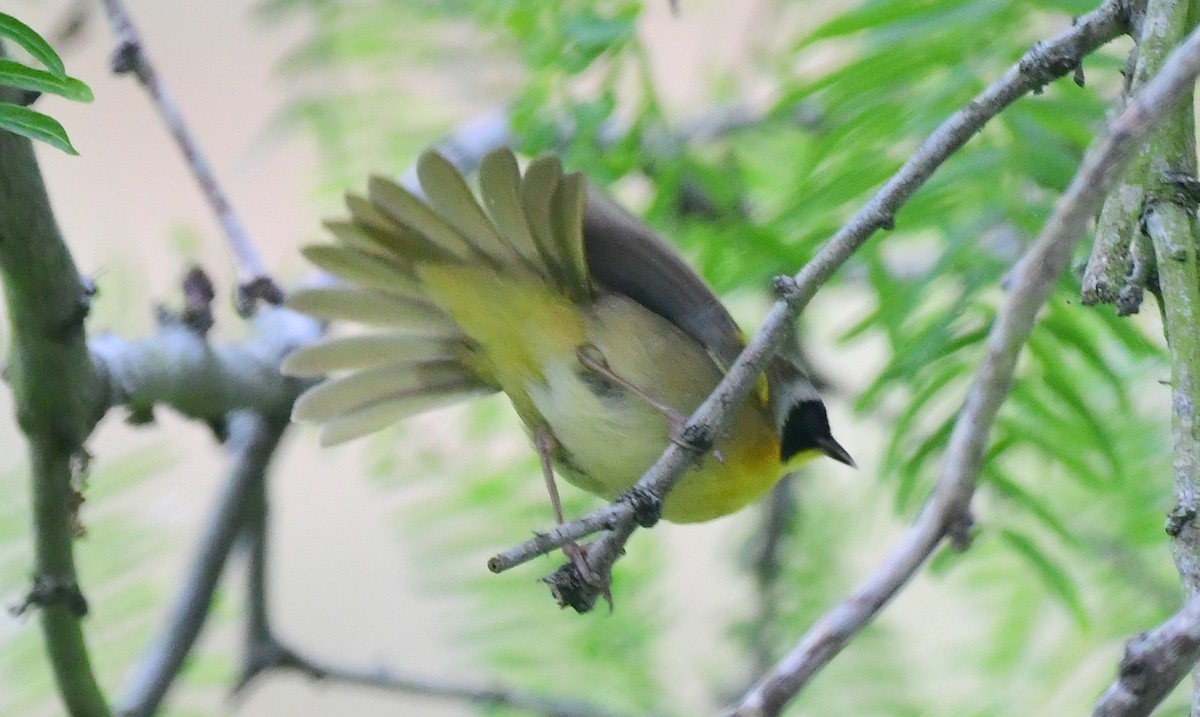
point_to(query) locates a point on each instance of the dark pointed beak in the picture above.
(834, 450)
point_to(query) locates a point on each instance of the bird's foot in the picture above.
(647, 505)
(576, 584)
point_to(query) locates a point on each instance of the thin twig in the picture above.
(1040, 65)
(264, 652)
(1154, 662)
(570, 589)
(493, 695)
(261, 651)
(604, 518)
(252, 443)
(254, 282)
(947, 511)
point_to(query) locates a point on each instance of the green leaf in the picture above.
(1053, 575)
(35, 126)
(1063, 382)
(1074, 333)
(14, 74)
(911, 468)
(13, 29)
(920, 406)
(1035, 415)
(903, 18)
(596, 32)
(1035, 505)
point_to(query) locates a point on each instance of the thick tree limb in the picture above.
(1116, 271)
(1032, 281)
(237, 386)
(1167, 221)
(1154, 662)
(53, 385)
(254, 282)
(1041, 64)
(61, 392)
(1173, 232)
(180, 368)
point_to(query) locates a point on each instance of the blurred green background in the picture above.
(379, 548)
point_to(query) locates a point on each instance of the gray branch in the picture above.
(252, 442)
(237, 385)
(1154, 662)
(946, 513)
(1118, 271)
(178, 367)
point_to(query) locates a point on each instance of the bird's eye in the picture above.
(806, 425)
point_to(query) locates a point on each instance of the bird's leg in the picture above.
(593, 360)
(544, 442)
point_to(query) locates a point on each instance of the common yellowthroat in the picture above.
(600, 334)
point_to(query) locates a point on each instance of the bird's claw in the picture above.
(576, 584)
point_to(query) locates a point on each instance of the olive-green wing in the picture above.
(626, 256)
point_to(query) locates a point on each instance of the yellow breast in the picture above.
(607, 436)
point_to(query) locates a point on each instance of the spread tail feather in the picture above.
(393, 382)
(527, 225)
(375, 416)
(351, 353)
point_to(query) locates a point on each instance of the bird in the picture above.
(541, 286)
